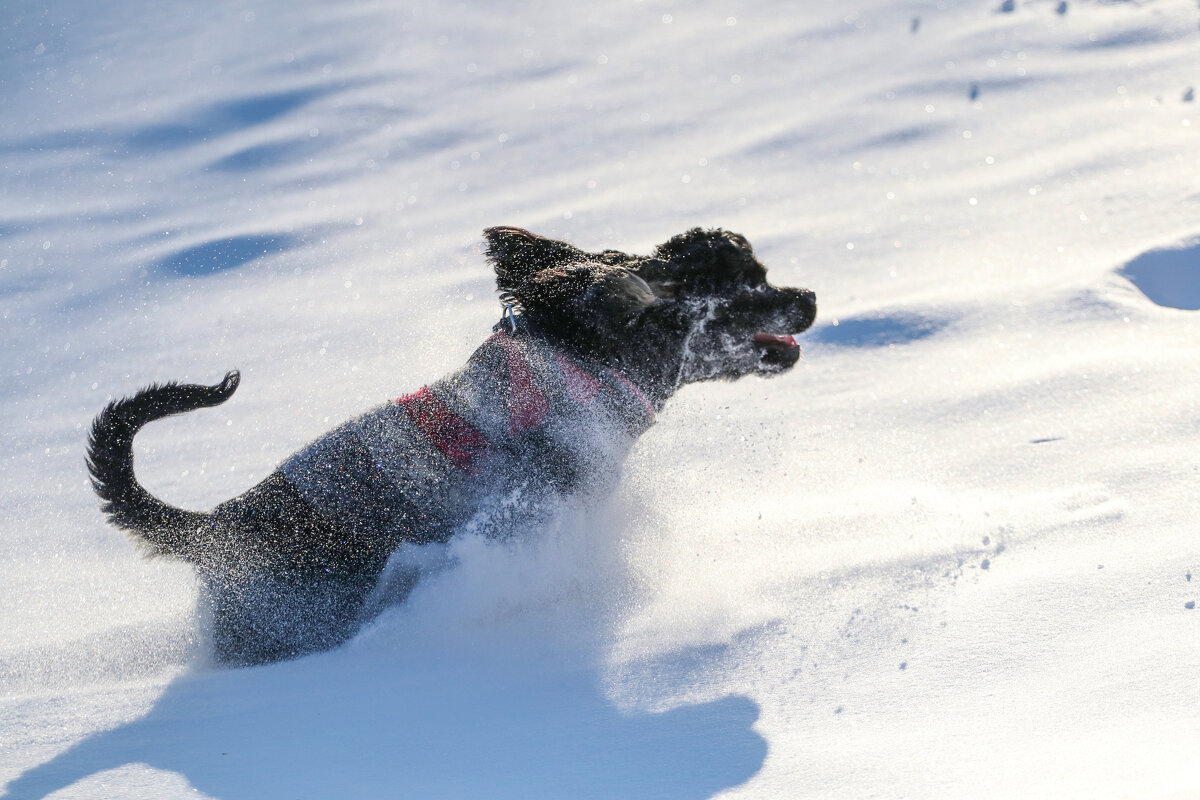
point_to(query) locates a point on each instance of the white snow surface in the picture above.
(951, 554)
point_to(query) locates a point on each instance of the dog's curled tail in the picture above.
(164, 529)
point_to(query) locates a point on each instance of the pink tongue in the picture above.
(767, 338)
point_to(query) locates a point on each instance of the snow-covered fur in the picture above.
(416, 468)
(547, 407)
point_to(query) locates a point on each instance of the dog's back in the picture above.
(521, 411)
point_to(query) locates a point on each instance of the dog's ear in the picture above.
(582, 292)
(623, 292)
(517, 255)
(560, 285)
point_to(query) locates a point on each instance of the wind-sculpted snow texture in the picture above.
(951, 555)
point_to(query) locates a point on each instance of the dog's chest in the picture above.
(520, 416)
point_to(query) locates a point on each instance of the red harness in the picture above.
(528, 405)
(458, 441)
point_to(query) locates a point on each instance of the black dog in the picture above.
(590, 348)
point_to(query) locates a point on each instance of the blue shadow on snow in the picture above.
(344, 725)
(1168, 278)
(206, 123)
(264, 156)
(223, 117)
(223, 254)
(877, 330)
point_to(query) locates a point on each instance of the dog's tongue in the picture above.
(779, 341)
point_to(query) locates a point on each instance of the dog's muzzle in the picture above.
(781, 350)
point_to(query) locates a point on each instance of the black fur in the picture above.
(162, 528)
(281, 580)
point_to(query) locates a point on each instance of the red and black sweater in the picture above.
(419, 467)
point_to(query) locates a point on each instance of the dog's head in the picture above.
(699, 308)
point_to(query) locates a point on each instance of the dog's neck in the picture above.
(656, 381)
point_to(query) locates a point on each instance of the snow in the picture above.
(1169, 277)
(950, 554)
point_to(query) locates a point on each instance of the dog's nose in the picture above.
(804, 308)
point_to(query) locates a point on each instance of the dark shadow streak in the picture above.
(221, 118)
(206, 123)
(902, 137)
(878, 330)
(266, 155)
(223, 254)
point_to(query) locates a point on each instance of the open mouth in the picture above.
(777, 351)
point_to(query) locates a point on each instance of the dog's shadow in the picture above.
(368, 724)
